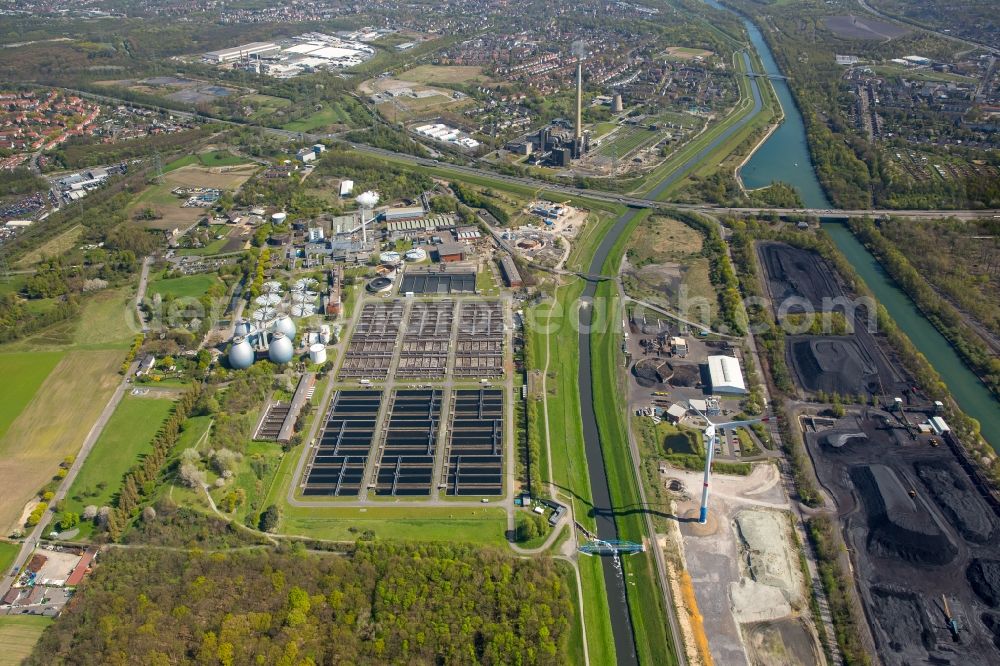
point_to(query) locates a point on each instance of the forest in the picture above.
(383, 603)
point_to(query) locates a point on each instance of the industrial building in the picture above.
(450, 252)
(437, 282)
(244, 51)
(725, 375)
(510, 273)
(403, 213)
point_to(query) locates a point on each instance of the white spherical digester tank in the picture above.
(284, 324)
(280, 350)
(240, 354)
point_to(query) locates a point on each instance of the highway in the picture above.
(568, 190)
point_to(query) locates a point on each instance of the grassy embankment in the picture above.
(654, 644)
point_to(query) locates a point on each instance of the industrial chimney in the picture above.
(579, 104)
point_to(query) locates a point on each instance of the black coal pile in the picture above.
(958, 499)
(984, 577)
(992, 622)
(651, 372)
(902, 618)
(898, 528)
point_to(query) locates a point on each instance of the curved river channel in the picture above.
(783, 156)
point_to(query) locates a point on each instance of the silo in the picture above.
(240, 354)
(284, 324)
(281, 350)
(317, 353)
(279, 218)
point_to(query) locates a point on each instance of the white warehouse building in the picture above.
(725, 375)
(244, 51)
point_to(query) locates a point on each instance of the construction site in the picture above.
(922, 534)
(381, 439)
(744, 563)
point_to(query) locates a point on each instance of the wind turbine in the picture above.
(711, 438)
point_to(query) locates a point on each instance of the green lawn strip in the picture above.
(422, 523)
(596, 612)
(188, 286)
(128, 435)
(8, 553)
(574, 654)
(25, 373)
(193, 431)
(18, 636)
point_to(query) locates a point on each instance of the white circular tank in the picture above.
(279, 218)
(284, 324)
(317, 353)
(243, 328)
(240, 354)
(280, 350)
(390, 257)
(416, 254)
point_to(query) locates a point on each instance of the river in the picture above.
(785, 157)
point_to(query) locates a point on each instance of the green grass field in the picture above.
(483, 526)
(8, 553)
(106, 321)
(18, 635)
(53, 425)
(625, 140)
(128, 435)
(212, 158)
(25, 372)
(330, 115)
(188, 286)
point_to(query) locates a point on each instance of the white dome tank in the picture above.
(284, 324)
(390, 257)
(240, 354)
(279, 218)
(416, 254)
(280, 350)
(243, 329)
(317, 353)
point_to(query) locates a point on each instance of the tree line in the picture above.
(386, 603)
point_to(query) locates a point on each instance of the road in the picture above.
(95, 432)
(599, 195)
(140, 293)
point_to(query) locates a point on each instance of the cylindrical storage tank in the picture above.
(416, 254)
(390, 257)
(279, 218)
(317, 353)
(280, 351)
(240, 354)
(284, 324)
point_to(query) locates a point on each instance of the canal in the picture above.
(785, 157)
